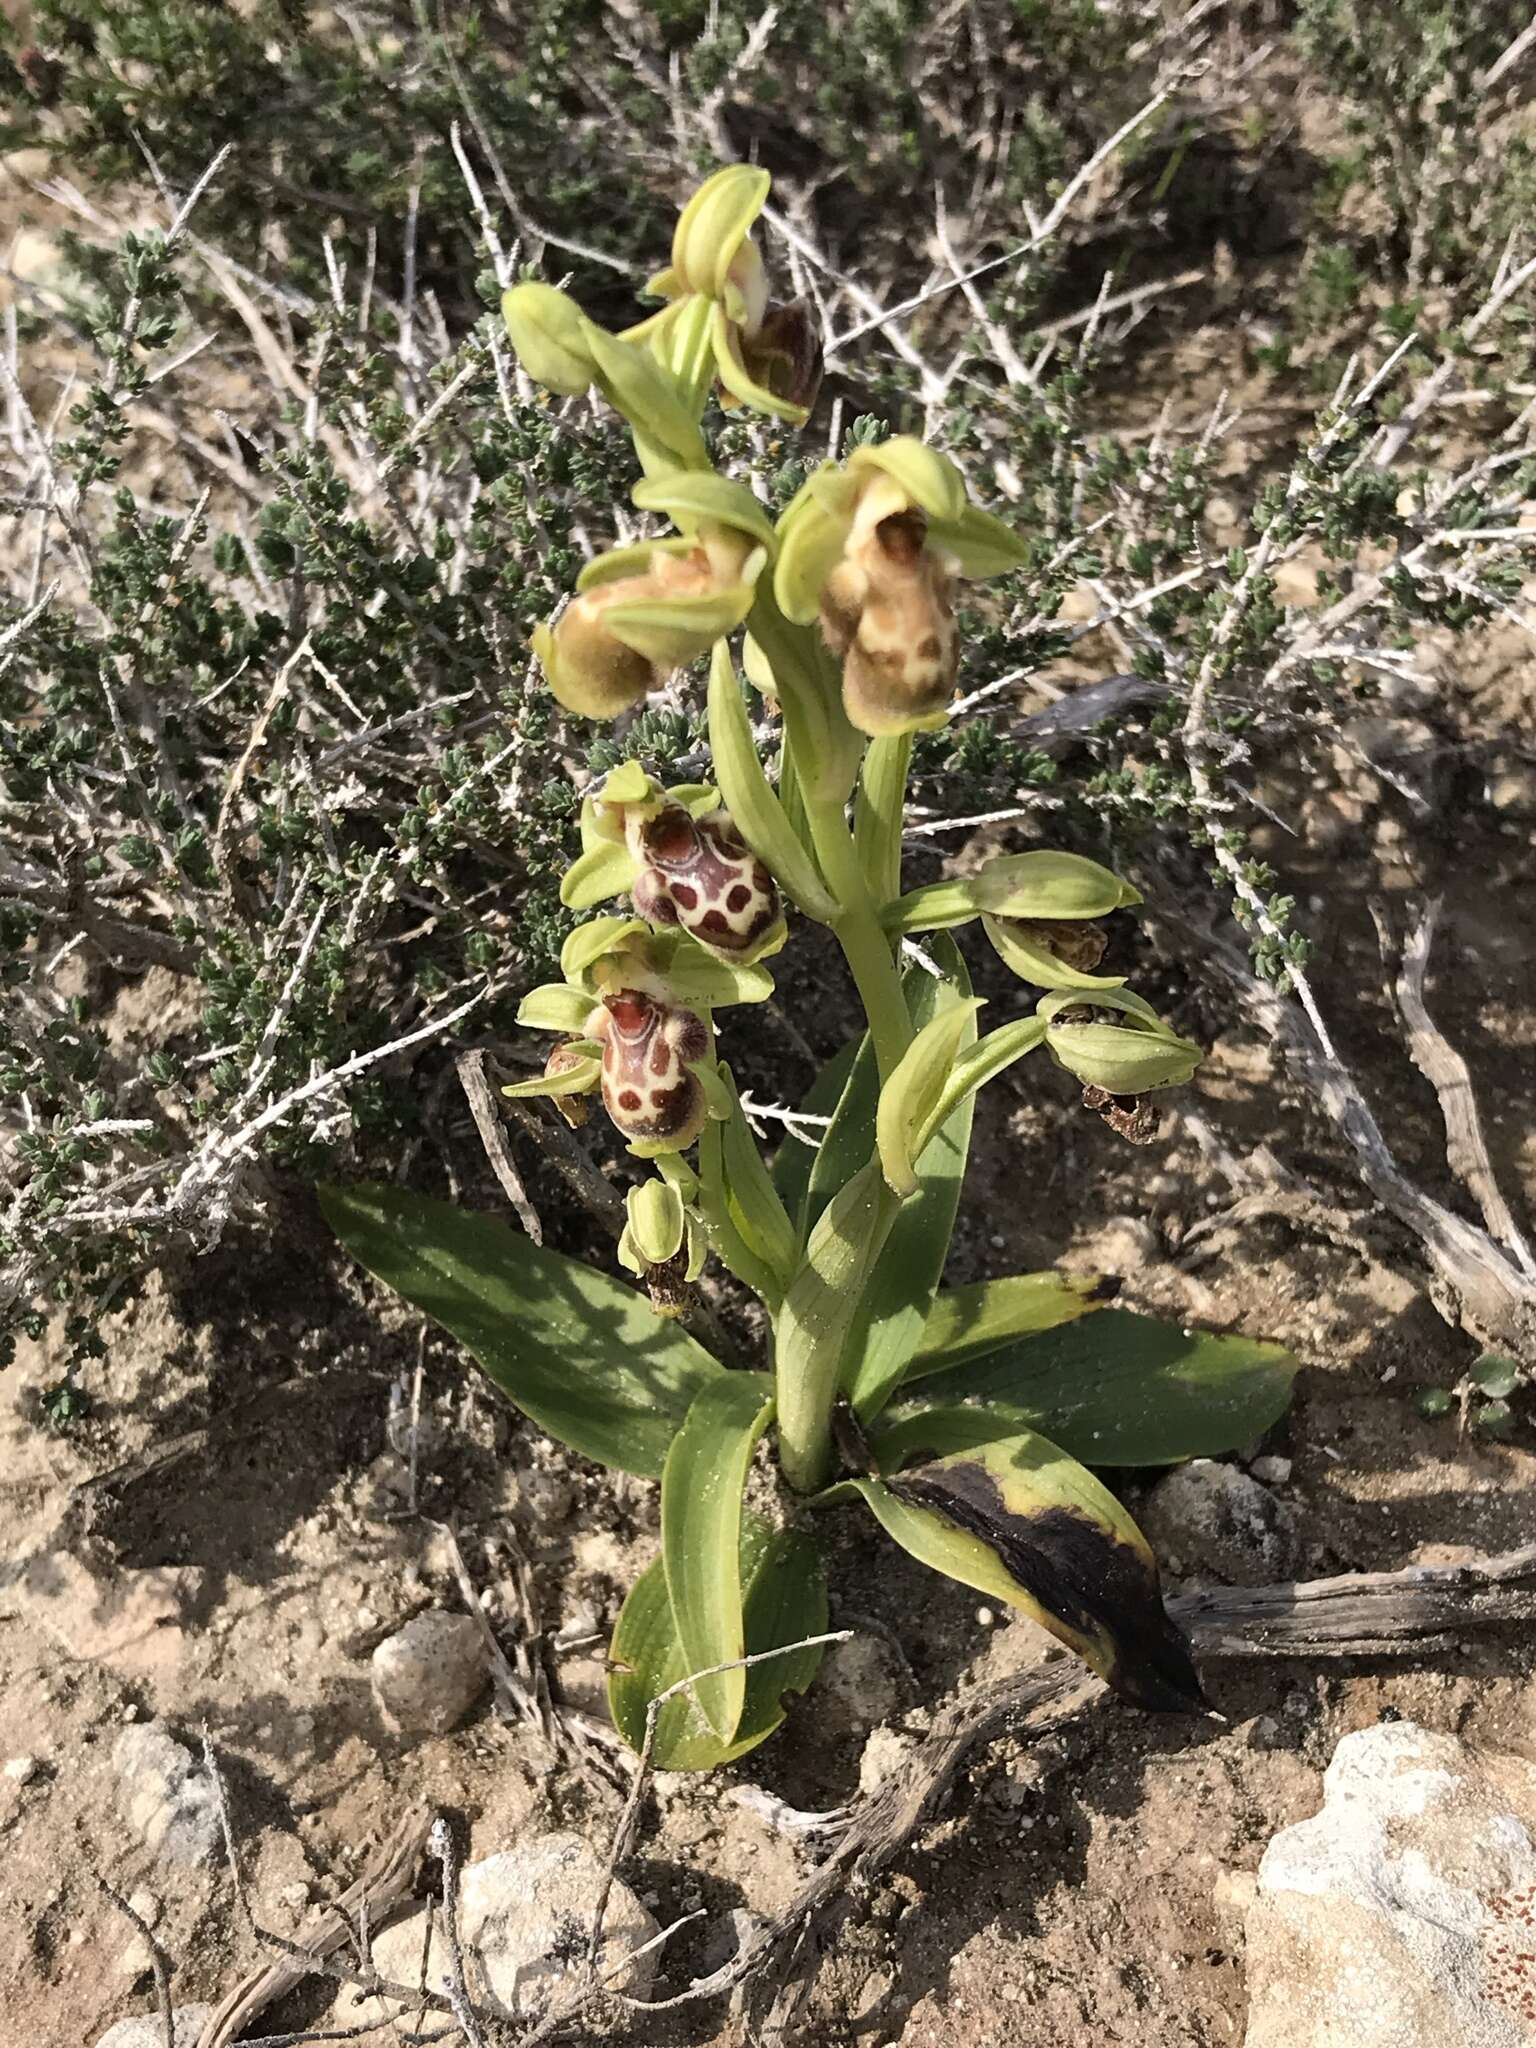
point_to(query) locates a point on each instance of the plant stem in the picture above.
(878, 815)
(865, 945)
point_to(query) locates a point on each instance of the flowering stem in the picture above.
(865, 945)
(879, 814)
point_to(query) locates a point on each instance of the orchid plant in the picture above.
(966, 1420)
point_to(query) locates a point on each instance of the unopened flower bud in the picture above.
(1116, 1042)
(699, 874)
(648, 1089)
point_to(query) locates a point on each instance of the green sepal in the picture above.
(910, 1098)
(929, 479)
(1125, 1059)
(737, 380)
(614, 565)
(1020, 1521)
(549, 335)
(697, 978)
(670, 631)
(1033, 962)
(813, 531)
(597, 876)
(1117, 1388)
(968, 1322)
(712, 228)
(655, 1224)
(595, 940)
(981, 544)
(701, 1488)
(576, 1349)
(555, 1006)
(754, 806)
(581, 1078)
(692, 498)
(635, 384)
(784, 1602)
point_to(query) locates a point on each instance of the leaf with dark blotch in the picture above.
(1025, 1523)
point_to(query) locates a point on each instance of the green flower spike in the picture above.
(872, 550)
(1113, 1040)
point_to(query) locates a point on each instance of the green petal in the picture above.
(1123, 1062)
(670, 631)
(595, 940)
(811, 542)
(579, 1079)
(1049, 885)
(981, 544)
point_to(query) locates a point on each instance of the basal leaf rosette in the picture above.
(640, 612)
(872, 550)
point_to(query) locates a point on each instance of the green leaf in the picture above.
(888, 1322)
(575, 1349)
(701, 1488)
(795, 1161)
(784, 1601)
(1021, 1521)
(1116, 1388)
(1495, 1375)
(968, 1322)
(754, 807)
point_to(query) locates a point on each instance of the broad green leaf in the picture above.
(967, 1322)
(795, 1160)
(1024, 1523)
(785, 1601)
(1117, 1388)
(701, 1487)
(756, 1210)
(576, 1349)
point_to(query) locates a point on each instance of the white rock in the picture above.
(1271, 1471)
(166, 1795)
(21, 1770)
(1212, 1521)
(886, 1751)
(524, 1921)
(428, 1675)
(1400, 1916)
(147, 2030)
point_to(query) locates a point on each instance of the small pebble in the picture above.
(21, 1770)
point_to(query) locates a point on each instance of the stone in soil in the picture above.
(1403, 1915)
(148, 2030)
(429, 1674)
(166, 1795)
(525, 1919)
(1211, 1521)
